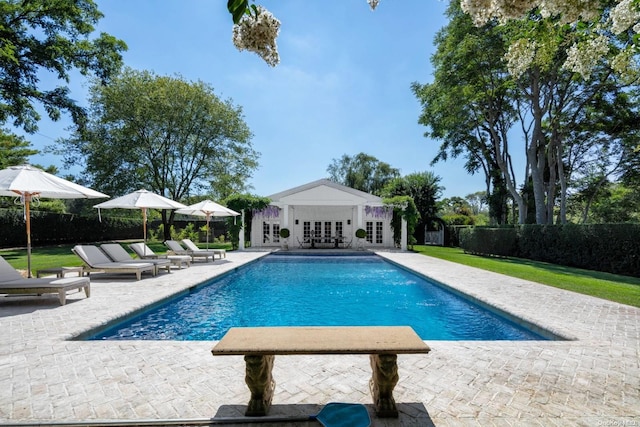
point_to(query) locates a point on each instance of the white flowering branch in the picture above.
(257, 32)
(256, 29)
(582, 56)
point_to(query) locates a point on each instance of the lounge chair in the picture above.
(177, 249)
(96, 260)
(144, 252)
(119, 254)
(12, 282)
(193, 247)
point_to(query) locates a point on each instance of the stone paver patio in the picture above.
(592, 379)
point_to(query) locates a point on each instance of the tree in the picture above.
(424, 188)
(558, 102)
(14, 150)
(473, 103)
(164, 134)
(51, 36)
(607, 203)
(456, 211)
(477, 201)
(362, 172)
(470, 106)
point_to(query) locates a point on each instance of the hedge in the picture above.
(49, 228)
(53, 228)
(491, 241)
(611, 248)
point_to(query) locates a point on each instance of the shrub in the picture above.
(611, 248)
(489, 241)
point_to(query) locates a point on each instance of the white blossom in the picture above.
(482, 11)
(582, 57)
(569, 11)
(625, 66)
(520, 56)
(624, 16)
(257, 33)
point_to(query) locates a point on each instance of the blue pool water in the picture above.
(295, 290)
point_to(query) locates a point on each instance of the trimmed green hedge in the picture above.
(52, 228)
(489, 241)
(612, 248)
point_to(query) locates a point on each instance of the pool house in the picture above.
(324, 214)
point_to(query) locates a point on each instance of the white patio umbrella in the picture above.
(28, 184)
(207, 208)
(143, 200)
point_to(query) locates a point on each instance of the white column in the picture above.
(360, 216)
(241, 234)
(403, 235)
(285, 218)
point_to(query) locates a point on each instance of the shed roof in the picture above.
(324, 192)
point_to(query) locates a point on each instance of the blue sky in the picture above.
(342, 86)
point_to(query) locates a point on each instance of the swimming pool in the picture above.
(298, 290)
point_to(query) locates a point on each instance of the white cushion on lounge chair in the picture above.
(193, 247)
(12, 282)
(97, 260)
(119, 254)
(176, 248)
(144, 252)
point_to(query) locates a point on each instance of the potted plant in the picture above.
(360, 234)
(284, 234)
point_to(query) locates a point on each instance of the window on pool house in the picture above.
(379, 232)
(270, 232)
(339, 228)
(327, 232)
(369, 229)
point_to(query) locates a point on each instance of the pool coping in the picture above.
(46, 377)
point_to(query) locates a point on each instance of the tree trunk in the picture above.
(563, 187)
(536, 152)
(167, 222)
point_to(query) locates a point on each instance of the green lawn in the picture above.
(57, 256)
(622, 289)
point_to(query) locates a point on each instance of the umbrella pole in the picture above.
(208, 217)
(144, 224)
(27, 199)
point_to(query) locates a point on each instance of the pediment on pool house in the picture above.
(324, 193)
